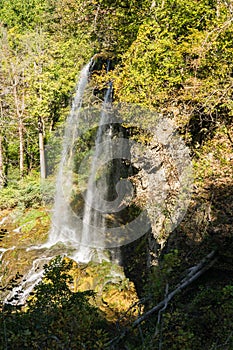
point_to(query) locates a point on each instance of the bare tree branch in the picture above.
(193, 273)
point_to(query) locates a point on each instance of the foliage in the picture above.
(209, 307)
(172, 57)
(38, 72)
(25, 194)
(55, 317)
(28, 219)
(180, 63)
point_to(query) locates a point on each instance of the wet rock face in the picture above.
(114, 291)
(161, 183)
(150, 183)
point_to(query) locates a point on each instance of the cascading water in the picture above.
(19, 294)
(93, 220)
(86, 234)
(82, 237)
(61, 230)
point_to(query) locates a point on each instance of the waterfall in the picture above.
(93, 232)
(83, 238)
(61, 231)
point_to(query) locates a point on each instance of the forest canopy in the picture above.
(172, 56)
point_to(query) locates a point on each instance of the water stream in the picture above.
(93, 231)
(61, 231)
(84, 235)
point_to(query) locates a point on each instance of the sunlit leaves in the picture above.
(55, 317)
(182, 53)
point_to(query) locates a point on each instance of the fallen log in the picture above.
(193, 273)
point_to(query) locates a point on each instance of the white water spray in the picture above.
(19, 294)
(93, 232)
(61, 231)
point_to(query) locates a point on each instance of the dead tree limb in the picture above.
(193, 273)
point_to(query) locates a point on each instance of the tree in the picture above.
(2, 177)
(180, 63)
(39, 70)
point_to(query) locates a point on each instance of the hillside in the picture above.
(166, 67)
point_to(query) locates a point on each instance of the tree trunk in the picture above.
(21, 148)
(41, 146)
(1, 164)
(19, 113)
(2, 169)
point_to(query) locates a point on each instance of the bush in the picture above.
(29, 192)
(56, 317)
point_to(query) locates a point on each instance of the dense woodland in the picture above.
(173, 57)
